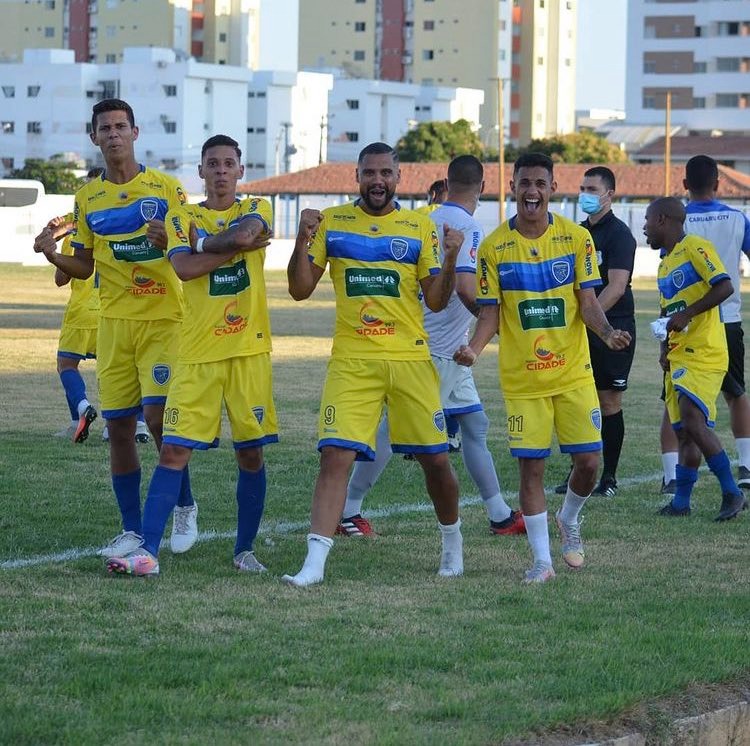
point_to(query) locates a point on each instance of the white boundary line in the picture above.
(281, 528)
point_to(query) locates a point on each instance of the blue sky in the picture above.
(600, 71)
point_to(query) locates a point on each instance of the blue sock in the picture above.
(186, 494)
(160, 502)
(720, 466)
(127, 489)
(141, 418)
(451, 426)
(251, 497)
(685, 479)
(75, 390)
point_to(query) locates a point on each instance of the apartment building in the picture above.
(224, 32)
(529, 44)
(699, 50)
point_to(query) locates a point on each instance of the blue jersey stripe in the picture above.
(538, 277)
(686, 275)
(116, 221)
(343, 245)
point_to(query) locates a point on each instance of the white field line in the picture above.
(282, 527)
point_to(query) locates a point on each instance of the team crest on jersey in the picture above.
(678, 278)
(596, 418)
(560, 271)
(259, 413)
(149, 209)
(399, 248)
(160, 374)
(439, 419)
(679, 373)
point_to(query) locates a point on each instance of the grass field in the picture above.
(385, 652)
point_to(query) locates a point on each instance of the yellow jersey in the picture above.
(376, 263)
(136, 280)
(543, 343)
(226, 313)
(685, 275)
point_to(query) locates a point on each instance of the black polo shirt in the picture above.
(615, 249)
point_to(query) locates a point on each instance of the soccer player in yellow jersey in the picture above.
(436, 195)
(379, 256)
(119, 229)
(692, 283)
(217, 250)
(535, 285)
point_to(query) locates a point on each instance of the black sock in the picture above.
(613, 433)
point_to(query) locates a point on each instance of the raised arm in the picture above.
(437, 288)
(80, 265)
(302, 274)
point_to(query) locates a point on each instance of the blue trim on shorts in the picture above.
(698, 403)
(364, 452)
(198, 445)
(582, 447)
(153, 400)
(530, 452)
(116, 414)
(463, 410)
(405, 448)
(75, 355)
(256, 443)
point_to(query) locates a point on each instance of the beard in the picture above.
(378, 203)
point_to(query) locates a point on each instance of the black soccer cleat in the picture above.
(672, 512)
(731, 506)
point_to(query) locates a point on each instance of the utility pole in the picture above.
(288, 151)
(323, 127)
(668, 146)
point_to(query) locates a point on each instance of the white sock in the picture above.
(82, 406)
(497, 509)
(74, 423)
(537, 533)
(669, 466)
(314, 567)
(743, 451)
(571, 506)
(452, 558)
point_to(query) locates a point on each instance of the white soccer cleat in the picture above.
(184, 528)
(142, 434)
(302, 579)
(247, 562)
(451, 564)
(122, 544)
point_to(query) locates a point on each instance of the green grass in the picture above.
(384, 652)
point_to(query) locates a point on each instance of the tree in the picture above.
(439, 142)
(56, 177)
(577, 147)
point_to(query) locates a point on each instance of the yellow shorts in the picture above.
(78, 344)
(192, 416)
(134, 365)
(574, 415)
(355, 392)
(702, 387)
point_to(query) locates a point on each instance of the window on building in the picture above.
(727, 100)
(359, 55)
(699, 102)
(649, 66)
(728, 64)
(698, 31)
(170, 127)
(9, 91)
(699, 67)
(110, 58)
(170, 90)
(251, 94)
(359, 25)
(8, 163)
(49, 32)
(540, 60)
(32, 91)
(9, 128)
(89, 128)
(34, 128)
(352, 103)
(541, 3)
(649, 102)
(428, 25)
(428, 54)
(222, 37)
(261, 94)
(250, 130)
(352, 136)
(260, 130)
(49, 4)
(110, 31)
(729, 28)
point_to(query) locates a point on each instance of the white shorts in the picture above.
(458, 392)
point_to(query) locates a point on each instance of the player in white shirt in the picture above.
(448, 330)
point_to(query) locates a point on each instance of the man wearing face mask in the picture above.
(615, 251)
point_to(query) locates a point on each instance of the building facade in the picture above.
(529, 44)
(699, 51)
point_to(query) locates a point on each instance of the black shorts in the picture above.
(612, 367)
(734, 380)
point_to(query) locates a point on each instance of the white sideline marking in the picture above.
(283, 527)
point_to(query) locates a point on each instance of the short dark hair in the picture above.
(94, 172)
(437, 190)
(217, 140)
(605, 174)
(377, 148)
(534, 160)
(465, 170)
(111, 104)
(670, 207)
(701, 173)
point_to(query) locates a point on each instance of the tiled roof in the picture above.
(726, 146)
(634, 181)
